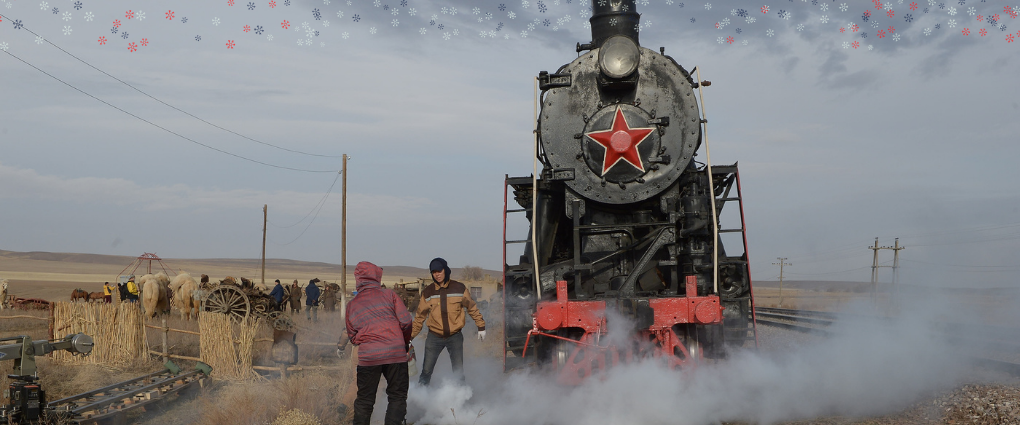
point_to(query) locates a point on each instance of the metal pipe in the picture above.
(711, 189)
(534, 203)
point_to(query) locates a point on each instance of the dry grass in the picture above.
(115, 329)
(227, 346)
(314, 394)
(36, 328)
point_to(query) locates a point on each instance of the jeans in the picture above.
(397, 382)
(434, 344)
(312, 312)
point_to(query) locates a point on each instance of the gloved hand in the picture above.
(481, 335)
(340, 352)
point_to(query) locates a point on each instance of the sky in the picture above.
(157, 126)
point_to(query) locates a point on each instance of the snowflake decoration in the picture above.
(102, 41)
(1009, 39)
(825, 7)
(511, 15)
(951, 23)
(825, 19)
(971, 11)
(372, 30)
(412, 11)
(169, 15)
(843, 7)
(44, 6)
(247, 28)
(952, 11)
(272, 4)
(525, 4)
(983, 32)
(356, 18)
(708, 6)
(476, 11)
(285, 24)
(896, 37)
(880, 34)
(258, 29)
(395, 22)
(376, 3)
(720, 40)
(269, 37)
(764, 9)
(124, 35)
(784, 14)
(966, 31)
(888, 6)
(88, 16)
(345, 35)
(846, 45)
(770, 33)
(545, 22)
(39, 39)
(692, 20)
(184, 20)
(856, 44)
(300, 42)
(800, 27)
(325, 23)
(132, 47)
(116, 23)
(3, 46)
(251, 6)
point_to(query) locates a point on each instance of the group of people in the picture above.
(380, 326)
(128, 291)
(313, 295)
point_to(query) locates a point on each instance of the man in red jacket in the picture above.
(380, 325)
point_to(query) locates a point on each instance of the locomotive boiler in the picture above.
(625, 229)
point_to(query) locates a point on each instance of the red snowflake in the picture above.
(1009, 38)
(116, 23)
(856, 44)
(272, 4)
(841, 30)
(717, 26)
(230, 44)
(854, 27)
(132, 47)
(1013, 14)
(285, 24)
(729, 39)
(169, 14)
(966, 31)
(129, 14)
(867, 13)
(891, 29)
(145, 41)
(983, 32)
(880, 34)
(980, 18)
(102, 41)
(230, 2)
(890, 13)
(764, 9)
(995, 17)
(247, 28)
(1006, 9)
(878, 6)
(913, 6)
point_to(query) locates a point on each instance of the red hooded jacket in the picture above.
(377, 320)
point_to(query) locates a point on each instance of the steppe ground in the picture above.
(313, 397)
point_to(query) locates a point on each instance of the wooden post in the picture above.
(166, 330)
(343, 242)
(265, 218)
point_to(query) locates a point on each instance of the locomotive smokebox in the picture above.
(613, 17)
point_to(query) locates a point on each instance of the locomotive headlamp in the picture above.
(618, 56)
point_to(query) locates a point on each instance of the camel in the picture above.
(154, 294)
(187, 297)
(79, 293)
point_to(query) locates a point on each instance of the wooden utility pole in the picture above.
(874, 264)
(343, 241)
(265, 218)
(782, 262)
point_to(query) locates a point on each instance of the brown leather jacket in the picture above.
(441, 307)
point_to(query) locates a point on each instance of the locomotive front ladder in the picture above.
(725, 178)
(523, 268)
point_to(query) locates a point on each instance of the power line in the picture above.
(164, 128)
(317, 205)
(317, 210)
(167, 104)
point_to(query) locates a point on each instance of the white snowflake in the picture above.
(39, 39)
(511, 15)
(587, 25)
(787, 16)
(708, 6)
(44, 6)
(453, 11)
(322, 44)
(67, 16)
(896, 37)
(372, 30)
(584, 3)
(1016, 9)
(456, 32)
(446, 11)
(725, 22)
(825, 7)
(488, 17)
(733, 12)
(304, 25)
(800, 27)
(525, 4)
(952, 23)
(422, 31)
(412, 11)
(971, 11)
(870, 47)
(394, 11)
(434, 16)
(825, 19)
(88, 16)
(348, 3)
(931, 2)
(325, 2)
(669, 2)
(770, 33)
(506, 36)
(476, 11)
(300, 42)
(492, 34)
(744, 42)
(751, 19)
(952, 11)
(531, 27)
(3, 46)
(846, 44)
(269, 37)
(874, 24)
(720, 40)
(140, 15)
(395, 23)
(446, 36)
(376, 3)
(345, 35)
(482, 34)
(927, 31)
(887, 6)
(216, 21)
(339, 14)
(67, 30)
(843, 7)
(524, 34)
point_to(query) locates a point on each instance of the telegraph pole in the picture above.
(343, 241)
(874, 265)
(782, 262)
(265, 218)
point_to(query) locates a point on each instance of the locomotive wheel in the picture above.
(228, 300)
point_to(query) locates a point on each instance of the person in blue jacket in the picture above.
(312, 301)
(277, 294)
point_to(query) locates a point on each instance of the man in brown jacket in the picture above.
(295, 298)
(441, 307)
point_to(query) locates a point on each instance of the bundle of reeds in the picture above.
(116, 330)
(227, 346)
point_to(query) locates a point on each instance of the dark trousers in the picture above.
(434, 344)
(397, 382)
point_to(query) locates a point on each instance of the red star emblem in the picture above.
(621, 142)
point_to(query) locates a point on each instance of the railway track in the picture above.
(817, 322)
(112, 402)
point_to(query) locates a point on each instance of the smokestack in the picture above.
(613, 17)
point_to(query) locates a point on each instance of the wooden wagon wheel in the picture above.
(228, 300)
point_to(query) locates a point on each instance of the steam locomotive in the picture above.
(624, 223)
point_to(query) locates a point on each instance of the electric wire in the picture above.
(164, 128)
(317, 204)
(167, 104)
(317, 209)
